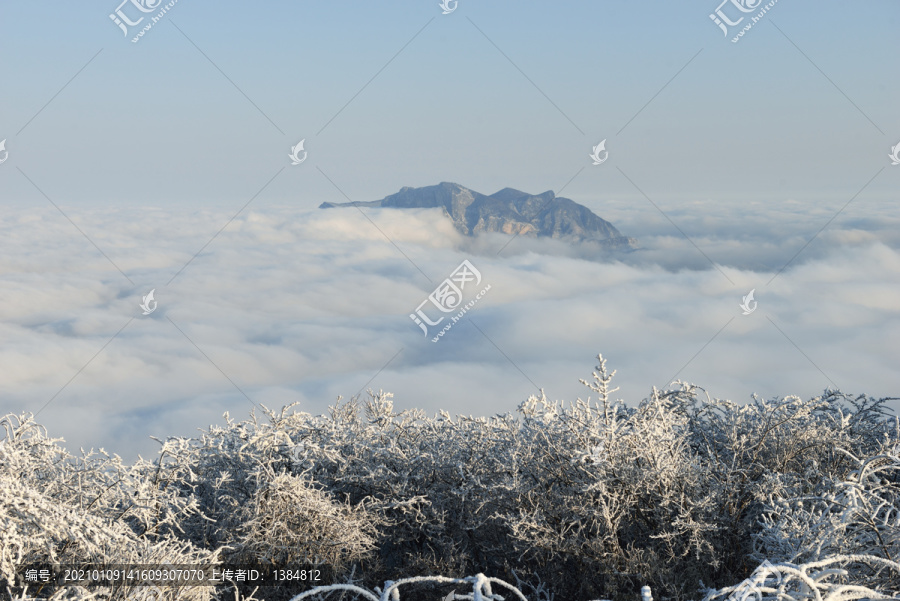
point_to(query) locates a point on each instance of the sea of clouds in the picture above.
(302, 305)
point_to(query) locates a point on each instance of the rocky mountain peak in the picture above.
(508, 211)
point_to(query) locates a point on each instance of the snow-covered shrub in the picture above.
(257, 500)
(57, 509)
(613, 494)
(672, 491)
(854, 516)
(771, 449)
(833, 579)
(481, 589)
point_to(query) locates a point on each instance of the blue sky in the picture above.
(449, 107)
(729, 162)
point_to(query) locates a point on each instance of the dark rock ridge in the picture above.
(508, 211)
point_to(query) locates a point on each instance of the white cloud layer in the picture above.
(304, 305)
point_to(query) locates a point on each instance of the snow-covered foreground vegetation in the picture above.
(590, 500)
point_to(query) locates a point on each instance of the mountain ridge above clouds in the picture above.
(508, 211)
